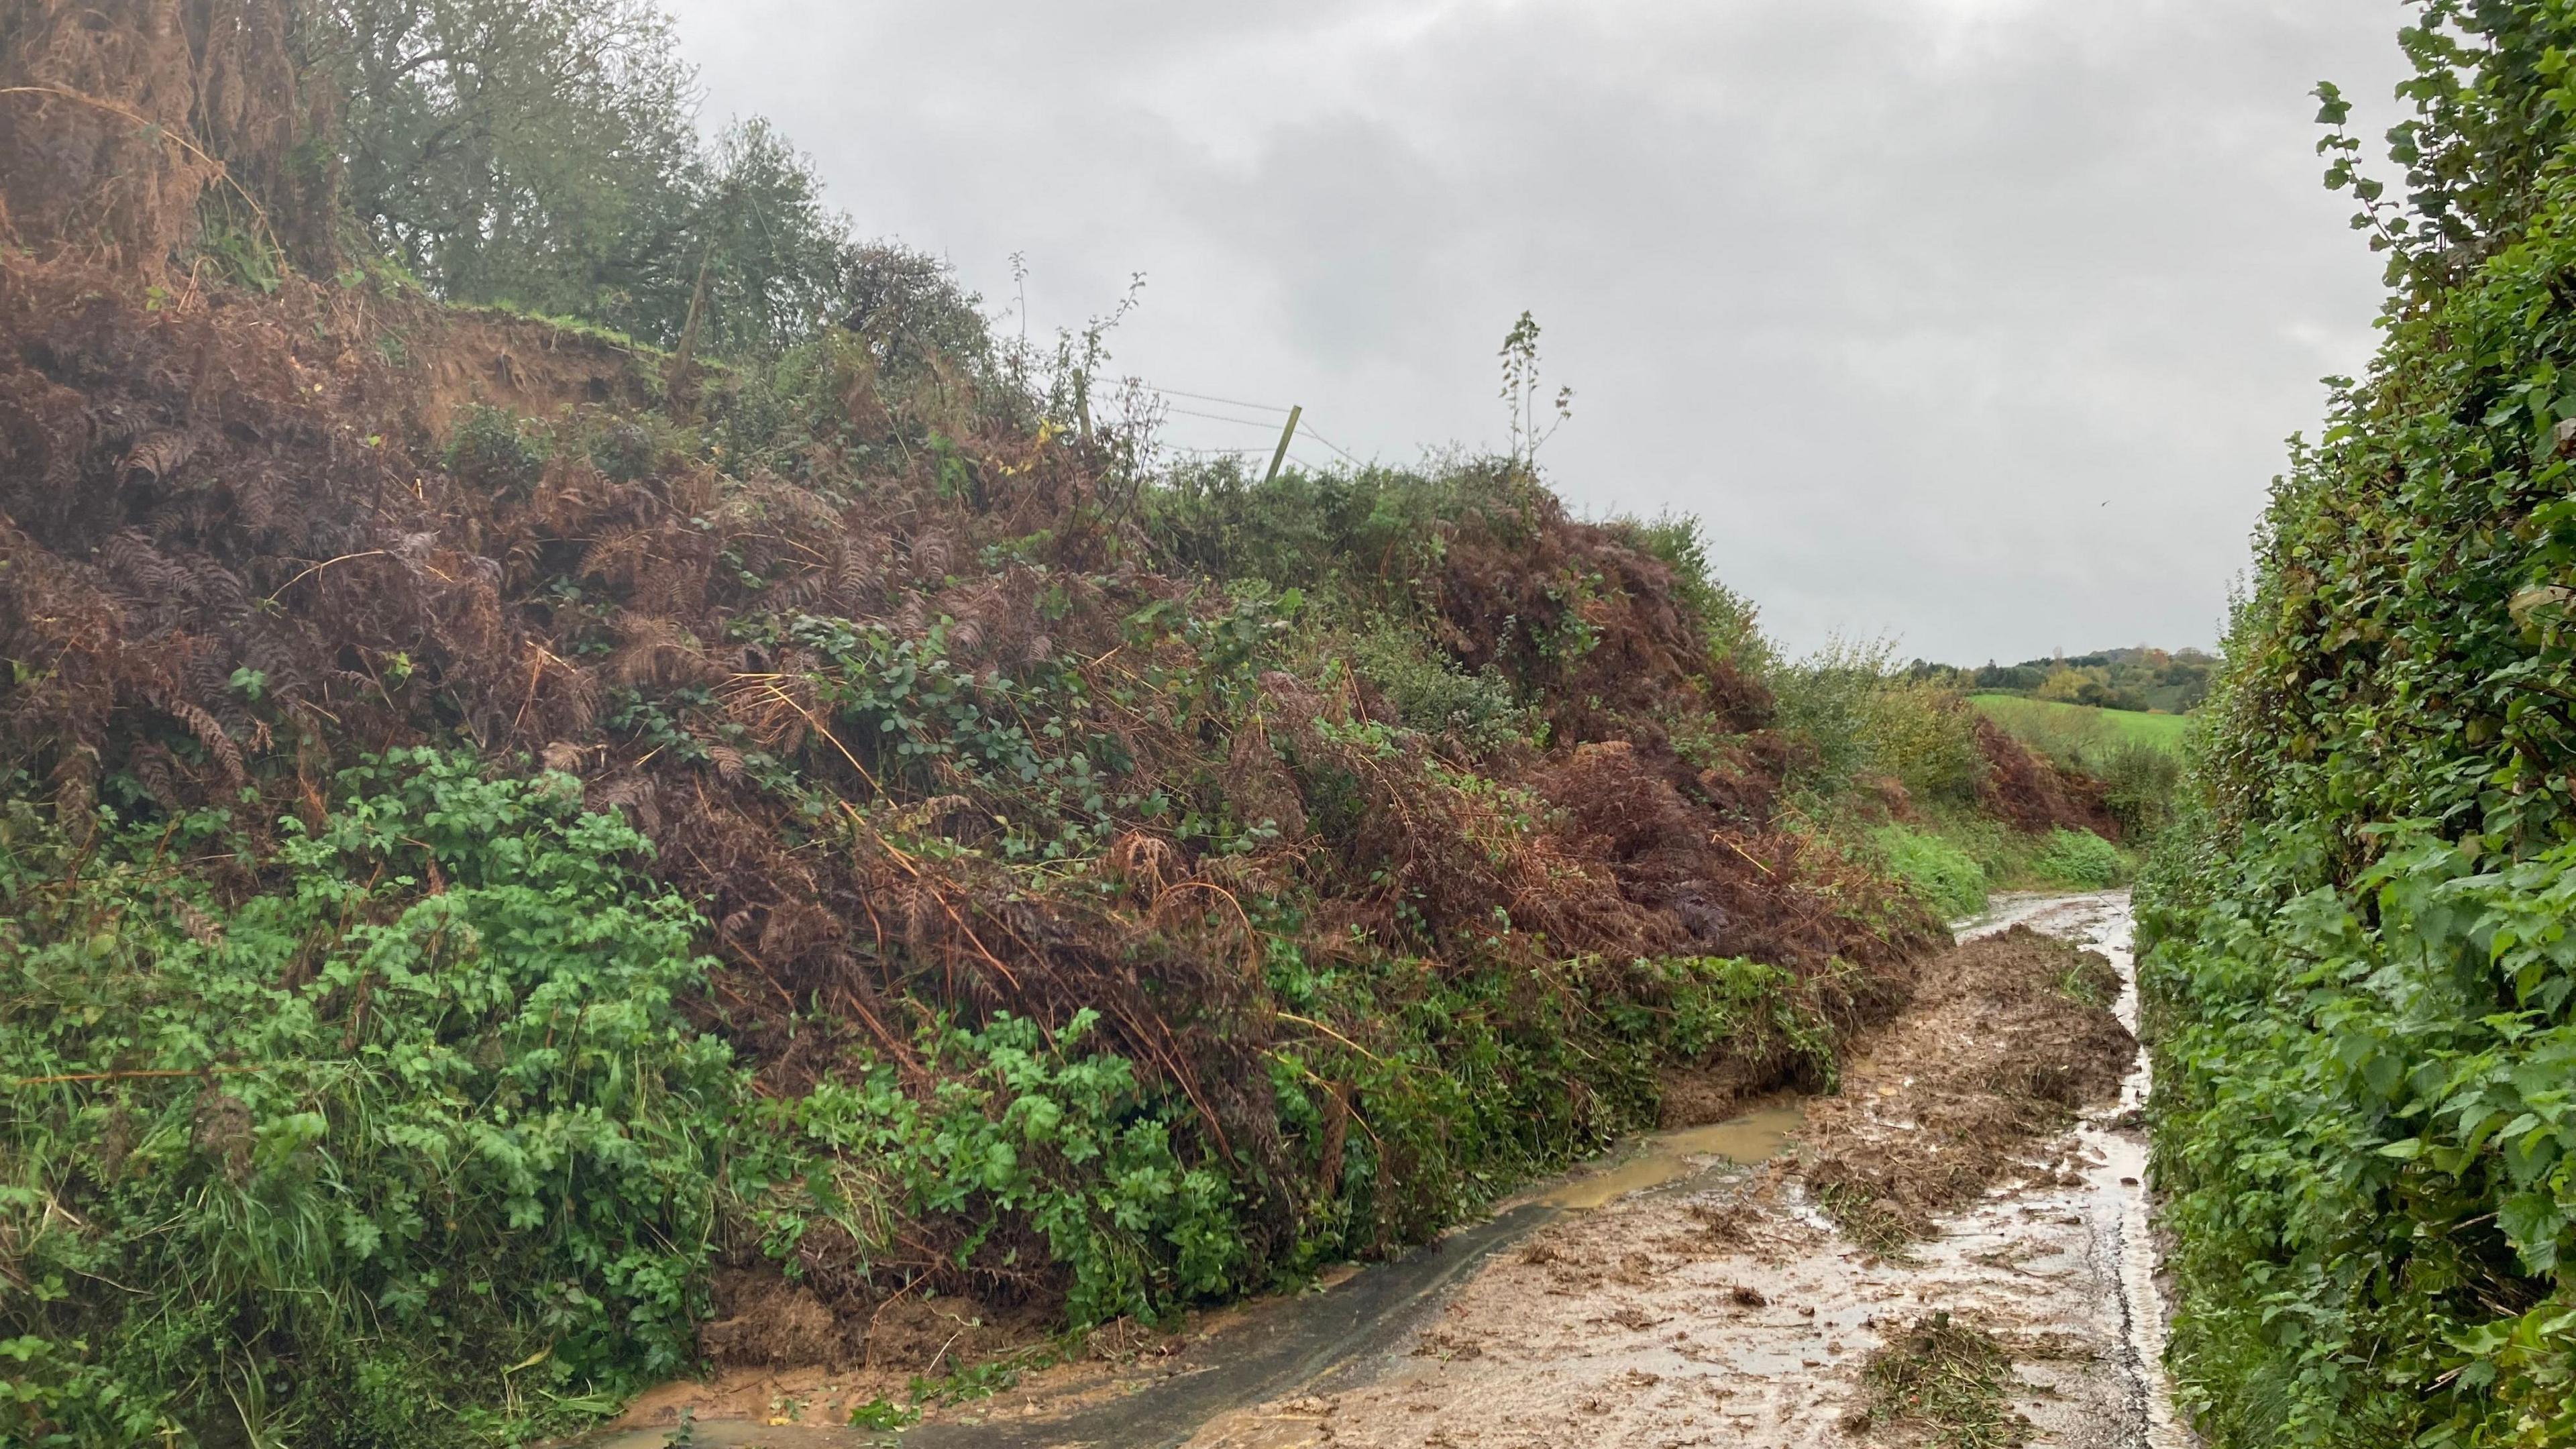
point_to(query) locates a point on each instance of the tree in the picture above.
(546, 153)
(780, 263)
(532, 151)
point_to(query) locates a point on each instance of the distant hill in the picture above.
(2141, 679)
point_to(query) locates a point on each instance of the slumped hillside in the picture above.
(517, 841)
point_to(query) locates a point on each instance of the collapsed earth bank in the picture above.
(508, 833)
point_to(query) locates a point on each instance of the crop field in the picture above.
(2039, 720)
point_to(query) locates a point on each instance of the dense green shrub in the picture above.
(1861, 715)
(1827, 700)
(1431, 693)
(2143, 779)
(625, 450)
(2082, 859)
(1033, 1128)
(1924, 737)
(422, 1110)
(2359, 956)
(1374, 534)
(490, 449)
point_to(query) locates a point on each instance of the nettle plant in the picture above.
(419, 1108)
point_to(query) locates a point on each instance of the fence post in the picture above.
(1285, 434)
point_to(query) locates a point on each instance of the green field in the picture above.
(2049, 724)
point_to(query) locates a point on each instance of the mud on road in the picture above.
(1975, 1170)
(1769, 1281)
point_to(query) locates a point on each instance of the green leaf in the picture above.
(2533, 1222)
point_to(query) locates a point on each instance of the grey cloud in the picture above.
(1895, 294)
(1354, 229)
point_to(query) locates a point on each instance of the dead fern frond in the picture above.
(616, 552)
(209, 732)
(158, 454)
(774, 710)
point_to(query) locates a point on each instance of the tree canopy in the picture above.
(547, 154)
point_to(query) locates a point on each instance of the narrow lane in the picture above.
(1726, 1309)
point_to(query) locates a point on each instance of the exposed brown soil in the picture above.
(2007, 1038)
(822, 1373)
(454, 358)
(1698, 1096)
(763, 1322)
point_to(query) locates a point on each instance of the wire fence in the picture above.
(1276, 422)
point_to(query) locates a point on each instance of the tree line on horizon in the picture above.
(2141, 680)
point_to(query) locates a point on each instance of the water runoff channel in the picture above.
(1342, 1344)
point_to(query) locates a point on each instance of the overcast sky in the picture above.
(1978, 323)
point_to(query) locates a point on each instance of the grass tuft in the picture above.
(1940, 873)
(1870, 1220)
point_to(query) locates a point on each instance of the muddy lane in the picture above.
(1977, 1181)
(1733, 1309)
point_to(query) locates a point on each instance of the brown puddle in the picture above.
(1277, 1346)
(1671, 1156)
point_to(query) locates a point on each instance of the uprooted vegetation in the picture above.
(2008, 1038)
(1944, 1382)
(485, 850)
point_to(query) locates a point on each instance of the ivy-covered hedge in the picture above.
(2360, 970)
